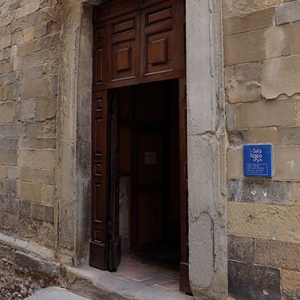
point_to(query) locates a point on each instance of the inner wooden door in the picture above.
(149, 166)
(150, 162)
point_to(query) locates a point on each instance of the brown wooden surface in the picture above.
(144, 42)
(114, 240)
(105, 246)
(124, 48)
(98, 246)
(162, 40)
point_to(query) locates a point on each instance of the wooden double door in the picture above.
(139, 128)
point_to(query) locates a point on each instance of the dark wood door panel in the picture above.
(98, 246)
(123, 60)
(158, 15)
(148, 3)
(162, 40)
(141, 46)
(98, 65)
(179, 36)
(105, 246)
(159, 53)
(114, 9)
(114, 240)
(124, 48)
(98, 55)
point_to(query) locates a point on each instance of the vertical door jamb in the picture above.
(184, 264)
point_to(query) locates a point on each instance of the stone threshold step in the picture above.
(101, 285)
(96, 285)
(55, 293)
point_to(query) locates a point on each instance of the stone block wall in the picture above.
(262, 85)
(29, 62)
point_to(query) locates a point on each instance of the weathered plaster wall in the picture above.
(262, 60)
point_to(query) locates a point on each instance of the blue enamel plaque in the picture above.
(258, 160)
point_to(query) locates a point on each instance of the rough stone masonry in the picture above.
(29, 62)
(262, 61)
(45, 141)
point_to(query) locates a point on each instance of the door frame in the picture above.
(159, 21)
(206, 132)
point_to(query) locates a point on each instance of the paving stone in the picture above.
(55, 293)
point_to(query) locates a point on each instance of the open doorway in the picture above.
(140, 182)
(149, 176)
(139, 173)
(149, 180)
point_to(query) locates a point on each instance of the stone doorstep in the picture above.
(55, 293)
(94, 284)
(101, 285)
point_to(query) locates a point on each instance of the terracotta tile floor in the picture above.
(133, 268)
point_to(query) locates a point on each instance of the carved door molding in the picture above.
(141, 43)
